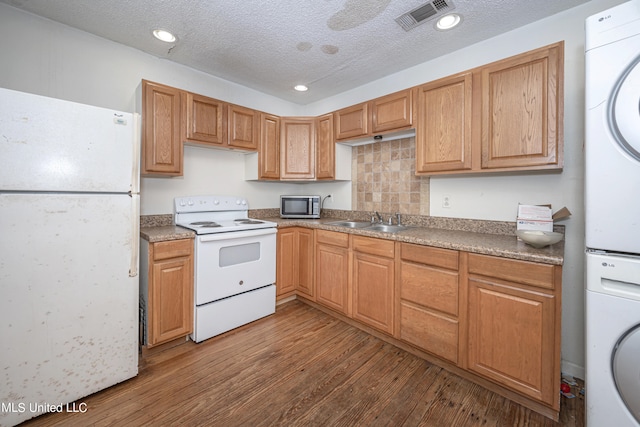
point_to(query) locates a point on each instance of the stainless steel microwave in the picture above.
(299, 206)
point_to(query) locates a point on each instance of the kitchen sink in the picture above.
(387, 228)
(366, 225)
(350, 224)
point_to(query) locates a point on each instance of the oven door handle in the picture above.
(237, 234)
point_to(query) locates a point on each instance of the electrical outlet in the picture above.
(446, 202)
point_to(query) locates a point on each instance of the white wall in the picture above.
(46, 58)
(43, 57)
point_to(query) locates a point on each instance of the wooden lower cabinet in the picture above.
(170, 291)
(495, 320)
(332, 271)
(294, 258)
(373, 282)
(514, 325)
(429, 300)
(305, 253)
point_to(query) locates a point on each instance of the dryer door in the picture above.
(624, 110)
(626, 369)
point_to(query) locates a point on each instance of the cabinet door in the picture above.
(286, 268)
(391, 112)
(305, 252)
(204, 119)
(332, 277)
(297, 148)
(522, 110)
(512, 337)
(373, 291)
(170, 291)
(269, 153)
(443, 132)
(325, 148)
(242, 128)
(352, 122)
(161, 144)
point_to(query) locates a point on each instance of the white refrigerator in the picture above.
(69, 233)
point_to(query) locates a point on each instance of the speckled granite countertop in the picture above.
(502, 245)
(482, 237)
(162, 233)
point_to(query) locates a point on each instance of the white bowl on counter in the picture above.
(539, 239)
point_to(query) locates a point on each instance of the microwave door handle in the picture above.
(310, 207)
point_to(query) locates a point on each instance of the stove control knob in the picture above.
(237, 201)
(190, 202)
(244, 202)
(216, 202)
(182, 203)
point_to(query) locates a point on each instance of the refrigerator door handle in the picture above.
(135, 169)
(135, 235)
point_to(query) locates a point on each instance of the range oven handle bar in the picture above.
(230, 235)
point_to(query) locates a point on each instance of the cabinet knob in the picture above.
(241, 282)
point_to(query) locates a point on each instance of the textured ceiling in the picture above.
(329, 45)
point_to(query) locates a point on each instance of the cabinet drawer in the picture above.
(332, 238)
(445, 258)
(172, 249)
(525, 272)
(430, 287)
(380, 247)
(432, 332)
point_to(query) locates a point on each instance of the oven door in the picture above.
(228, 264)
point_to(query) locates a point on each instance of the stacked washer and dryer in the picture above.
(612, 203)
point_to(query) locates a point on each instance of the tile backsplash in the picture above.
(384, 178)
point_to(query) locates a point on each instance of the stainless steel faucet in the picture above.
(380, 220)
(398, 218)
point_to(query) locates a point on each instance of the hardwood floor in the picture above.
(299, 367)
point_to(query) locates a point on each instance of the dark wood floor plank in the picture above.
(299, 367)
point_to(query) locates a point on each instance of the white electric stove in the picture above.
(234, 263)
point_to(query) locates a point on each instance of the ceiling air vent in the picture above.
(424, 13)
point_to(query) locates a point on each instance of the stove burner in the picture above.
(247, 221)
(205, 224)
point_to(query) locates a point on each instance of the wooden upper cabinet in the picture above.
(443, 132)
(504, 116)
(352, 122)
(297, 148)
(522, 110)
(387, 113)
(161, 142)
(204, 119)
(325, 148)
(269, 153)
(242, 128)
(392, 112)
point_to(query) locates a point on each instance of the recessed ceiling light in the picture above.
(301, 88)
(164, 35)
(447, 22)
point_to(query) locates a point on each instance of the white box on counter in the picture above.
(534, 217)
(539, 217)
